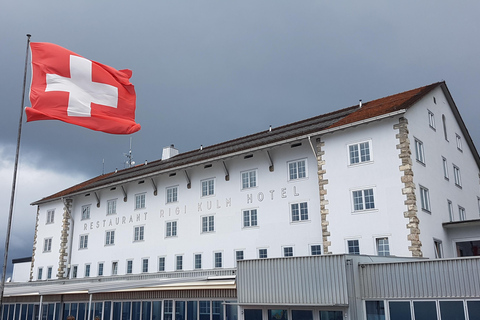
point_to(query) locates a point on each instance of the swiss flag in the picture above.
(70, 88)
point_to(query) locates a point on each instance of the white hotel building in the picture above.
(207, 234)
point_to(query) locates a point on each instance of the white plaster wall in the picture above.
(382, 174)
(21, 272)
(431, 174)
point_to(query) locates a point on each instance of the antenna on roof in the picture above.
(129, 163)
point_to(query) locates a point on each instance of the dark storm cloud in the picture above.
(209, 71)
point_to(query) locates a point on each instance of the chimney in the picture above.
(169, 152)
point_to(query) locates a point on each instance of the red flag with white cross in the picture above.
(70, 88)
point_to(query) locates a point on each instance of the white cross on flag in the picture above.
(70, 88)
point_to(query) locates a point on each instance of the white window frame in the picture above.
(249, 179)
(299, 211)
(109, 237)
(197, 261)
(40, 273)
(297, 169)
(208, 187)
(75, 271)
(208, 224)
(101, 268)
(49, 272)
(262, 253)
(171, 194)
(360, 156)
(458, 139)
(114, 268)
(138, 233)
(50, 216)
(425, 199)
(456, 175)
(86, 212)
(218, 259)
(353, 246)
(47, 245)
(145, 265)
(87, 270)
(380, 247)
(419, 151)
(140, 201)
(239, 252)
(287, 251)
(354, 195)
(462, 214)
(178, 262)
(171, 229)
(445, 168)
(431, 120)
(161, 264)
(111, 207)
(129, 266)
(438, 248)
(313, 249)
(250, 218)
(450, 211)
(83, 241)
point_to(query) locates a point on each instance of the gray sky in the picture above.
(210, 71)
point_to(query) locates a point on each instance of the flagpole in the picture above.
(14, 182)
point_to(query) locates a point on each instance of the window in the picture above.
(161, 264)
(456, 175)
(87, 270)
(172, 194)
(445, 168)
(49, 273)
(110, 237)
(47, 245)
(74, 272)
(171, 229)
(353, 246)
(100, 269)
(315, 250)
(139, 233)
(459, 142)
(84, 241)
(297, 169)
(461, 213)
(145, 265)
(288, 251)
(425, 198)
(50, 216)
(359, 152)
(85, 212)
(478, 204)
(218, 260)
(437, 245)
(444, 127)
(299, 211)
(114, 267)
(198, 261)
(262, 253)
(208, 224)
(431, 119)
(208, 187)
(140, 201)
(112, 206)
(129, 266)
(40, 274)
(250, 218)
(419, 153)
(249, 179)
(178, 263)
(383, 248)
(239, 255)
(363, 200)
(450, 210)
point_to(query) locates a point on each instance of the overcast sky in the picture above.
(210, 71)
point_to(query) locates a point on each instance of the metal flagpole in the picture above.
(14, 182)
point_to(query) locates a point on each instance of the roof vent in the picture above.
(360, 103)
(169, 152)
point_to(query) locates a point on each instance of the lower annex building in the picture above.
(388, 182)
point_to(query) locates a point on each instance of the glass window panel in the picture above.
(107, 308)
(253, 314)
(425, 310)
(192, 313)
(302, 315)
(375, 310)
(231, 311)
(127, 306)
(400, 310)
(277, 314)
(156, 310)
(81, 311)
(146, 310)
(331, 315)
(473, 310)
(204, 308)
(452, 310)
(217, 310)
(117, 308)
(179, 310)
(136, 310)
(167, 309)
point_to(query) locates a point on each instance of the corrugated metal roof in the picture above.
(313, 125)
